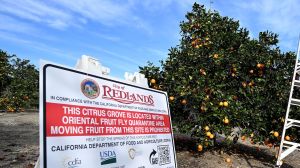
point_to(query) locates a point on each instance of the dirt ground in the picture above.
(243, 156)
(19, 143)
(19, 146)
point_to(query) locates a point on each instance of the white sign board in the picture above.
(90, 121)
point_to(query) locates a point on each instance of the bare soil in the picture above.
(19, 148)
(242, 156)
(19, 140)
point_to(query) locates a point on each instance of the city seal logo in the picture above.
(90, 88)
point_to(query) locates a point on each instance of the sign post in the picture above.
(92, 121)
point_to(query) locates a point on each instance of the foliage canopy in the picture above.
(19, 83)
(221, 78)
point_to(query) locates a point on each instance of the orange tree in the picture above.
(218, 78)
(19, 83)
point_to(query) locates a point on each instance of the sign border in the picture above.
(45, 66)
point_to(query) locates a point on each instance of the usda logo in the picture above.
(108, 157)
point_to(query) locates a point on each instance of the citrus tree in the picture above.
(19, 83)
(218, 79)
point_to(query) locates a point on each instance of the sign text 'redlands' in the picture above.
(126, 97)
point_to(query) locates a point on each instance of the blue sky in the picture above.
(125, 34)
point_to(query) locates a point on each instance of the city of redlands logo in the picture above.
(90, 88)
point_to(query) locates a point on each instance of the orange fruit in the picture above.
(243, 138)
(225, 120)
(211, 136)
(258, 65)
(216, 56)
(244, 84)
(193, 42)
(208, 134)
(266, 142)
(225, 104)
(227, 160)
(288, 138)
(200, 148)
(203, 108)
(270, 145)
(221, 104)
(206, 128)
(276, 134)
(183, 102)
(171, 98)
(202, 72)
(152, 81)
(251, 83)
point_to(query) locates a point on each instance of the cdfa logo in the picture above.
(108, 157)
(71, 163)
(90, 88)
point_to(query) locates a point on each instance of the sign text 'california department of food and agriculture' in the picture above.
(89, 121)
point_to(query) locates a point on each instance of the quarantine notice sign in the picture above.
(89, 121)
